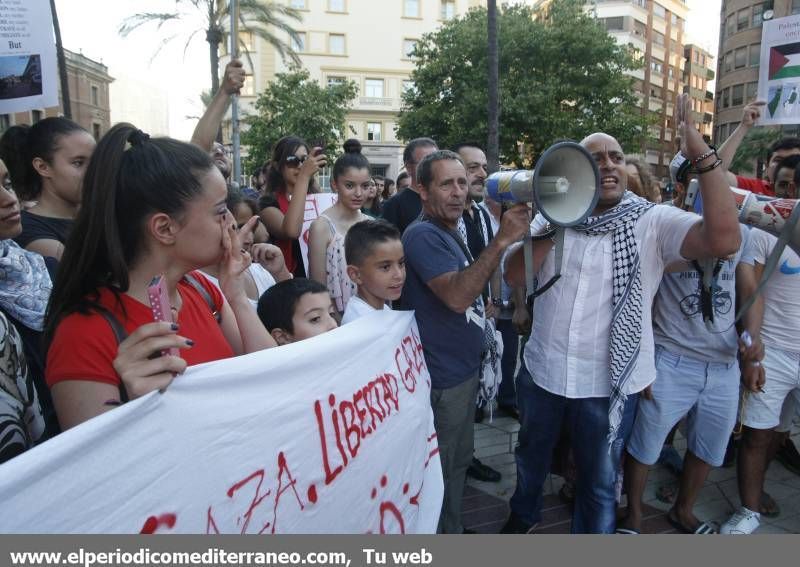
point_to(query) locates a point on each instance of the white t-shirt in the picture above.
(568, 353)
(781, 325)
(356, 308)
(678, 322)
(262, 278)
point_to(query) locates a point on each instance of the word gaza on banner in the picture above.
(320, 436)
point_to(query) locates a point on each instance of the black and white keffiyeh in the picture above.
(627, 300)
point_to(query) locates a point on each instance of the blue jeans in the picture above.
(541, 418)
(507, 395)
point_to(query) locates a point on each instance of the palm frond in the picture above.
(137, 20)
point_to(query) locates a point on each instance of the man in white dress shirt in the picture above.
(591, 349)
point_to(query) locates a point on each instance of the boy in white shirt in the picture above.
(377, 265)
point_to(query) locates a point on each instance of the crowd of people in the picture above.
(637, 336)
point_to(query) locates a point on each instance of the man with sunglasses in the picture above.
(404, 208)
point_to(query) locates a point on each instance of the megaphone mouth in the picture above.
(567, 184)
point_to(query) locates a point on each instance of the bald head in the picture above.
(610, 160)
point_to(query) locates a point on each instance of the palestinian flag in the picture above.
(784, 61)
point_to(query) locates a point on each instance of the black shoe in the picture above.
(788, 456)
(730, 453)
(479, 415)
(479, 471)
(516, 525)
(509, 410)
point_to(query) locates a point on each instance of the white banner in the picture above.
(28, 67)
(779, 71)
(329, 435)
(315, 204)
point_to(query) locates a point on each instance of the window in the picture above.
(36, 116)
(742, 20)
(336, 5)
(656, 65)
(702, 60)
(676, 21)
(246, 40)
(737, 95)
(639, 28)
(730, 25)
(408, 47)
(726, 98)
(658, 38)
(659, 10)
(249, 86)
(298, 4)
(411, 8)
(758, 10)
(299, 42)
(448, 9)
(728, 62)
(752, 90)
(336, 44)
(795, 6)
(5, 122)
(374, 131)
(640, 3)
(740, 58)
(373, 88)
(755, 55)
(96, 130)
(95, 96)
(335, 80)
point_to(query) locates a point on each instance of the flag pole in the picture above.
(237, 159)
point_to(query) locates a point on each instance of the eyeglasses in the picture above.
(295, 161)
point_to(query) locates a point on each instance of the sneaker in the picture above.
(788, 456)
(743, 522)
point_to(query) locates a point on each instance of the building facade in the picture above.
(697, 72)
(365, 41)
(89, 84)
(739, 55)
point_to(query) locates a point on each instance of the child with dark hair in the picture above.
(326, 259)
(296, 309)
(46, 163)
(376, 263)
(150, 207)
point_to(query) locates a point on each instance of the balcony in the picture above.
(378, 101)
(709, 96)
(707, 118)
(710, 75)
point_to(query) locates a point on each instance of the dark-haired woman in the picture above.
(150, 207)
(326, 261)
(290, 178)
(47, 162)
(372, 201)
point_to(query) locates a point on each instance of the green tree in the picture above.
(561, 77)
(267, 19)
(296, 104)
(754, 146)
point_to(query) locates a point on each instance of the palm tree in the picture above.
(263, 18)
(62, 64)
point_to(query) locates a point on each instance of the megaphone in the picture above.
(564, 187)
(776, 216)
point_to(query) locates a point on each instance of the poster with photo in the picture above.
(28, 67)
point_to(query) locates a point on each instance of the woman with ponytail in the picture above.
(350, 180)
(47, 162)
(150, 207)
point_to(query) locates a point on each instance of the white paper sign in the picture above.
(321, 436)
(315, 204)
(779, 71)
(28, 67)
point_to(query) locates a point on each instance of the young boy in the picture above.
(377, 265)
(296, 309)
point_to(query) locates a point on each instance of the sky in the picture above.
(91, 27)
(13, 65)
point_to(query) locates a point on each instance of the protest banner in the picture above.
(320, 436)
(779, 72)
(315, 204)
(28, 67)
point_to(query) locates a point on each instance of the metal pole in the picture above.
(237, 158)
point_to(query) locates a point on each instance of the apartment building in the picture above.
(697, 72)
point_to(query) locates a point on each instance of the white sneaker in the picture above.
(743, 522)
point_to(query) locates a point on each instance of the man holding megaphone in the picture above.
(591, 351)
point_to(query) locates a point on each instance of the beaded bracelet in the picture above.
(711, 152)
(711, 167)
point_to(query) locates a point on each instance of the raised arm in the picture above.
(750, 115)
(206, 130)
(717, 235)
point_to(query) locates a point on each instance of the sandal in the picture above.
(704, 528)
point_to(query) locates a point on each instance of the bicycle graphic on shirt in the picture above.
(691, 304)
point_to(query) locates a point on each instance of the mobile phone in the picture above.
(318, 146)
(159, 304)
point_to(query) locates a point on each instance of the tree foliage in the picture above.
(295, 104)
(561, 77)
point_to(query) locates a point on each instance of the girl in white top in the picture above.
(326, 259)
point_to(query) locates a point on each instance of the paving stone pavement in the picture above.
(486, 503)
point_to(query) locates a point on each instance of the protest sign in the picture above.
(320, 436)
(28, 68)
(315, 204)
(779, 72)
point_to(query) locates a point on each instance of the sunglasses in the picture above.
(294, 161)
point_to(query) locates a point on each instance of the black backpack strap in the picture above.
(120, 335)
(191, 280)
